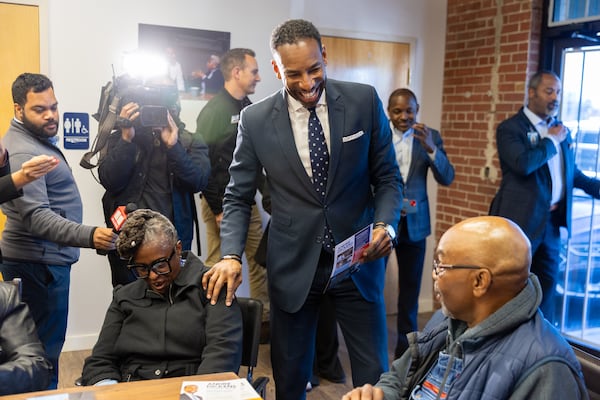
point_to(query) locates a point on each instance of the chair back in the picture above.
(252, 318)
(590, 365)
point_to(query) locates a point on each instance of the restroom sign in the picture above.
(76, 127)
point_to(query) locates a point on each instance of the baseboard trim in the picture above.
(80, 342)
(426, 305)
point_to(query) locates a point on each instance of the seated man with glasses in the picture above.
(162, 325)
(489, 341)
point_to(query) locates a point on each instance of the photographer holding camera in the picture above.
(159, 167)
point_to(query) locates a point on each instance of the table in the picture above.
(154, 389)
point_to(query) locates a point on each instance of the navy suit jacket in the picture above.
(525, 192)
(415, 184)
(364, 186)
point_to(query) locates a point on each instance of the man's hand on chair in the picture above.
(226, 272)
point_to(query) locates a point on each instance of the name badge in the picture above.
(235, 119)
(533, 137)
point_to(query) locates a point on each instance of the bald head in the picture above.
(496, 243)
(498, 255)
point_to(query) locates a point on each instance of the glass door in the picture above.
(578, 301)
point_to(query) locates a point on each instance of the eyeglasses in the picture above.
(440, 268)
(162, 266)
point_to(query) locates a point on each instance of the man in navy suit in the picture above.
(363, 186)
(418, 149)
(538, 177)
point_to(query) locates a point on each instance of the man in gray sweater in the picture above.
(43, 231)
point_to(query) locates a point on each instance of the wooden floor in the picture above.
(72, 362)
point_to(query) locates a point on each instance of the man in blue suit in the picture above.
(418, 149)
(362, 186)
(538, 177)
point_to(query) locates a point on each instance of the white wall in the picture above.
(86, 37)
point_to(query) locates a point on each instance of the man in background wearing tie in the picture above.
(327, 152)
(538, 177)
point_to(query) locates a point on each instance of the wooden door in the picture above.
(384, 65)
(19, 52)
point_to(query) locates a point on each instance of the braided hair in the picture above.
(145, 226)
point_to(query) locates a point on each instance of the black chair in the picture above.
(252, 319)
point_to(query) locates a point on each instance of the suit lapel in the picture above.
(335, 109)
(285, 136)
(568, 163)
(417, 152)
(529, 127)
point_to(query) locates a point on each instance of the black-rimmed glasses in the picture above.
(440, 268)
(162, 266)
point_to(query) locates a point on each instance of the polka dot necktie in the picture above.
(319, 162)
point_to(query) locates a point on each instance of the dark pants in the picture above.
(293, 335)
(544, 264)
(327, 362)
(410, 256)
(45, 289)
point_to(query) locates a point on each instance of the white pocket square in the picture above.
(354, 136)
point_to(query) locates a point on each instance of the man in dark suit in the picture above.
(538, 177)
(361, 185)
(419, 149)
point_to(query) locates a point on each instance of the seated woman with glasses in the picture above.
(162, 325)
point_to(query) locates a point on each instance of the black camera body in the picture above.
(153, 116)
(155, 100)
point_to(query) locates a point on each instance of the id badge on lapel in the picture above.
(534, 138)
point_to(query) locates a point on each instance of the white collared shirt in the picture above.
(299, 121)
(555, 164)
(403, 143)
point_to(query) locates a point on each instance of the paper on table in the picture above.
(232, 389)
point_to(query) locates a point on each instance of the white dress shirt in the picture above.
(403, 143)
(299, 120)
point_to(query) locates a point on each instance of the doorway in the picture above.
(19, 52)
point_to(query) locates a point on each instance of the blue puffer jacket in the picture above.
(513, 354)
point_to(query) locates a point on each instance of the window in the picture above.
(563, 12)
(578, 308)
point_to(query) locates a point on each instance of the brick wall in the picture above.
(491, 49)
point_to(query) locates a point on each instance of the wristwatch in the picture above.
(391, 232)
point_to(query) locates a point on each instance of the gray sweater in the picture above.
(44, 225)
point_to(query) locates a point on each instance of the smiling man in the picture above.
(326, 149)
(538, 176)
(43, 229)
(490, 340)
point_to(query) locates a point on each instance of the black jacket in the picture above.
(149, 336)
(124, 174)
(8, 191)
(23, 364)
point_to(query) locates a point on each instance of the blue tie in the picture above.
(319, 162)
(319, 156)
